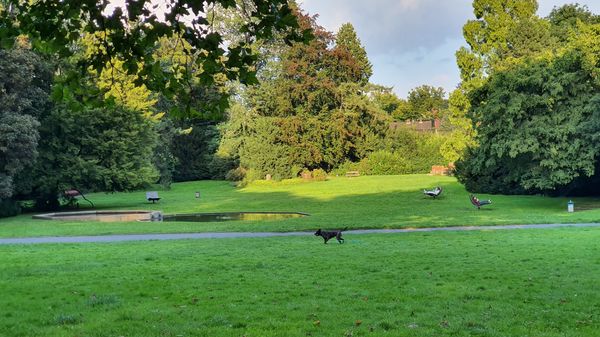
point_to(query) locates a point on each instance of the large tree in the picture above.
(502, 35)
(105, 148)
(24, 99)
(538, 123)
(310, 111)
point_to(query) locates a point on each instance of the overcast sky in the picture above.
(410, 42)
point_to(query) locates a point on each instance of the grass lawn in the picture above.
(363, 202)
(534, 282)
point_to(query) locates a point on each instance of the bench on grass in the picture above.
(152, 196)
(478, 203)
(73, 195)
(352, 174)
(434, 193)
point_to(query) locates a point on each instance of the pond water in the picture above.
(105, 216)
(232, 216)
(111, 216)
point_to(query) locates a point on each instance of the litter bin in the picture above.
(570, 206)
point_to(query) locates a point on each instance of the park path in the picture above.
(224, 235)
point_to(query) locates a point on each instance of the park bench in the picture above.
(478, 203)
(434, 193)
(352, 174)
(73, 195)
(152, 196)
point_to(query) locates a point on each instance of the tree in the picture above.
(565, 19)
(425, 102)
(462, 134)
(309, 111)
(387, 100)
(347, 39)
(132, 32)
(537, 124)
(503, 34)
(194, 152)
(105, 148)
(18, 149)
(489, 35)
(24, 99)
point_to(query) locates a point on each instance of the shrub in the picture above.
(9, 207)
(296, 170)
(237, 174)
(319, 174)
(383, 162)
(306, 174)
(345, 167)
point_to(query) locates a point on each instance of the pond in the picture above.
(105, 216)
(112, 216)
(232, 216)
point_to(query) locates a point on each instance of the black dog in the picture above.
(327, 235)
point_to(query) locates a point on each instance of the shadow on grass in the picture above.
(393, 209)
(394, 202)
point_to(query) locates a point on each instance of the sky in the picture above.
(410, 42)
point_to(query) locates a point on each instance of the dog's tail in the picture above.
(345, 229)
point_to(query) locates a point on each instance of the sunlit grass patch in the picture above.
(361, 202)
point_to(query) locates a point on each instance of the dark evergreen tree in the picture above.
(94, 149)
(346, 39)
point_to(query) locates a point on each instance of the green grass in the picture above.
(541, 283)
(363, 202)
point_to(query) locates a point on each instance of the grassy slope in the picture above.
(539, 283)
(363, 202)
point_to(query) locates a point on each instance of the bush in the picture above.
(251, 175)
(319, 175)
(345, 167)
(9, 207)
(237, 174)
(404, 152)
(383, 162)
(296, 170)
(306, 174)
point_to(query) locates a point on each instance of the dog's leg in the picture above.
(326, 239)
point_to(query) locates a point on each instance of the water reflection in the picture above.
(232, 216)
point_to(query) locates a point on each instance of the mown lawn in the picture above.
(541, 283)
(363, 202)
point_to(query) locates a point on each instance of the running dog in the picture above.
(328, 235)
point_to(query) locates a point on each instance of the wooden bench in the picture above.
(352, 174)
(152, 196)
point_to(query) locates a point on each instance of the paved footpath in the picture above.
(224, 235)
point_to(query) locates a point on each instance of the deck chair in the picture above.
(434, 193)
(478, 203)
(152, 196)
(73, 195)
